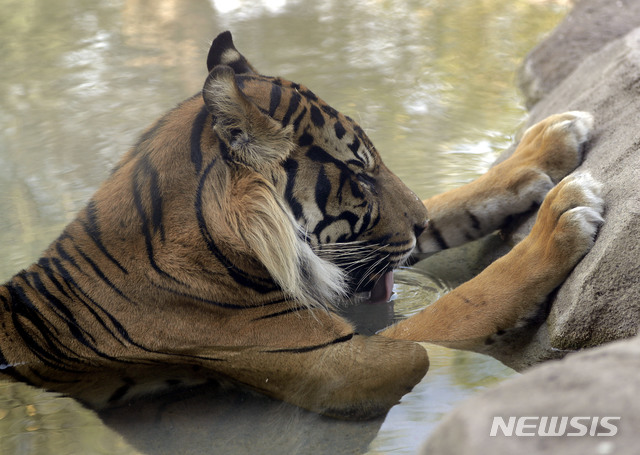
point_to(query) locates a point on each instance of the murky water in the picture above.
(432, 82)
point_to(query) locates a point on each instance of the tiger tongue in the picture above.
(382, 289)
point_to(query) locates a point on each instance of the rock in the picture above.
(558, 388)
(589, 26)
(591, 62)
(600, 301)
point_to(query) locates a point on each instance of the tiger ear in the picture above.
(223, 52)
(254, 138)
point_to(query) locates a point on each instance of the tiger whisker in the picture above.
(370, 270)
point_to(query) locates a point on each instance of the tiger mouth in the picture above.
(382, 288)
(369, 277)
(378, 289)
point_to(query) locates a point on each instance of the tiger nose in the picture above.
(419, 228)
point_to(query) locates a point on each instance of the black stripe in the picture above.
(359, 131)
(142, 169)
(339, 129)
(82, 297)
(101, 274)
(305, 139)
(322, 190)
(402, 253)
(23, 310)
(46, 267)
(156, 203)
(196, 135)
(294, 102)
(354, 146)
(355, 188)
(259, 284)
(366, 221)
(60, 309)
(274, 99)
(63, 253)
(5, 303)
(70, 317)
(316, 117)
(298, 120)
(281, 313)
(122, 390)
(93, 231)
(203, 300)
(291, 168)
(71, 283)
(307, 93)
(347, 216)
(320, 155)
(313, 348)
(475, 222)
(438, 236)
(331, 112)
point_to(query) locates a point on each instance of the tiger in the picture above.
(223, 244)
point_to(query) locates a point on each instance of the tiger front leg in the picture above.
(548, 151)
(511, 289)
(355, 378)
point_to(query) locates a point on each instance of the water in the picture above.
(432, 83)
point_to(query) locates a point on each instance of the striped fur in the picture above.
(216, 233)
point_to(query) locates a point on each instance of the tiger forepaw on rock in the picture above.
(580, 200)
(569, 218)
(556, 145)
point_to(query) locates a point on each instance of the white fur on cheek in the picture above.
(271, 233)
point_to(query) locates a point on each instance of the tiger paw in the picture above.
(548, 151)
(556, 145)
(567, 223)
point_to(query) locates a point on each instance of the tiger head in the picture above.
(289, 194)
(342, 206)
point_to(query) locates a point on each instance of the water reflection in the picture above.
(37, 422)
(430, 81)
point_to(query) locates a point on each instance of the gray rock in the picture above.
(589, 26)
(561, 388)
(592, 63)
(600, 301)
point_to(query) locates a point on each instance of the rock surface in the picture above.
(590, 62)
(586, 29)
(556, 389)
(600, 301)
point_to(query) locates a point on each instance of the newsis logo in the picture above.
(555, 426)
